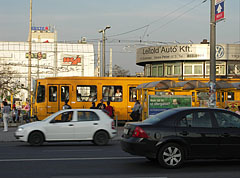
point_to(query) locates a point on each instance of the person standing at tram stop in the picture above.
(101, 105)
(6, 115)
(110, 110)
(136, 110)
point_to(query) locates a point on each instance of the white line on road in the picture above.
(68, 159)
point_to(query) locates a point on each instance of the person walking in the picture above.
(110, 110)
(65, 115)
(66, 105)
(6, 115)
(136, 110)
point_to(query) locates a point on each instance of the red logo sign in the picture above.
(72, 60)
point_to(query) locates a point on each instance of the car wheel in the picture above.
(36, 139)
(101, 138)
(171, 155)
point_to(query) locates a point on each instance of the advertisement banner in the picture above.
(158, 104)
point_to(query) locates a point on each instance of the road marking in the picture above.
(68, 159)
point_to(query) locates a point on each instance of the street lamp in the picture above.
(103, 49)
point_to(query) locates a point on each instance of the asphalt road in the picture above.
(83, 159)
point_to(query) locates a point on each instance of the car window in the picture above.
(87, 116)
(186, 120)
(227, 119)
(63, 117)
(197, 119)
(202, 119)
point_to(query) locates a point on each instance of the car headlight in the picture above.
(19, 129)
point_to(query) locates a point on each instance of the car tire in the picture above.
(36, 139)
(101, 138)
(171, 155)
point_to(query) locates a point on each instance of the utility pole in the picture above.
(103, 49)
(212, 83)
(30, 53)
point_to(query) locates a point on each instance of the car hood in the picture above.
(32, 124)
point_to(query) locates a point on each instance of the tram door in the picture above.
(132, 93)
(57, 94)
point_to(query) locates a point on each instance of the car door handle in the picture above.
(184, 133)
(225, 134)
(70, 125)
(95, 123)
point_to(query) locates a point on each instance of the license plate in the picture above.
(125, 131)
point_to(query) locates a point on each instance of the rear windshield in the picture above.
(160, 116)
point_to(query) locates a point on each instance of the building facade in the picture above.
(189, 60)
(49, 58)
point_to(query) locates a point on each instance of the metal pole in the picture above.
(212, 87)
(98, 60)
(30, 53)
(110, 63)
(103, 53)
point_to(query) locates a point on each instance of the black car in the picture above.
(179, 134)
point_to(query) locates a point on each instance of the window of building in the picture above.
(112, 93)
(193, 68)
(220, 68)
(147, 70)
(41, 94)
(154, 71)
(233, 68)
(64, 93)
(157, 70)
(172, 69)
(86, 93)
(52, 93)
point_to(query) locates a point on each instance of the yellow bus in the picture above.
(51, 93)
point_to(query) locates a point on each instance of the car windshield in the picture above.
(160, 116)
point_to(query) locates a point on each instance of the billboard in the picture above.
(158, 104)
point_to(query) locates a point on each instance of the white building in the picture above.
(49, 58)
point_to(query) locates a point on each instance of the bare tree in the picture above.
(118, 71)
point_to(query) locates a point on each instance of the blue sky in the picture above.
(169, 21)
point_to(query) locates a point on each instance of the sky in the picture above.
(134, 23)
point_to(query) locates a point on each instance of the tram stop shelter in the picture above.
(198, 90)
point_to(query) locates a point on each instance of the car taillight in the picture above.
(139, 133)
(113, 125)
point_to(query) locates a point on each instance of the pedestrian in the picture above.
(6, 115)
(93, 106)
(110, 110)
(26, 108)
(136, 110)
(101, 105)
(66, 105)
(15, 113)
(65, 115)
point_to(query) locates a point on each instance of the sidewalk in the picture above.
(9, 136)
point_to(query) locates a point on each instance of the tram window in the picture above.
(112, 93)
(132, 93)
(53, 93)
(230, 96)
(41, 94)
(86, 93)
(64, 93)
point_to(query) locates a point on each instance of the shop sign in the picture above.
(38, 55)
(72, 60)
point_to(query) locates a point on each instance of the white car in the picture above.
(69, 125)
